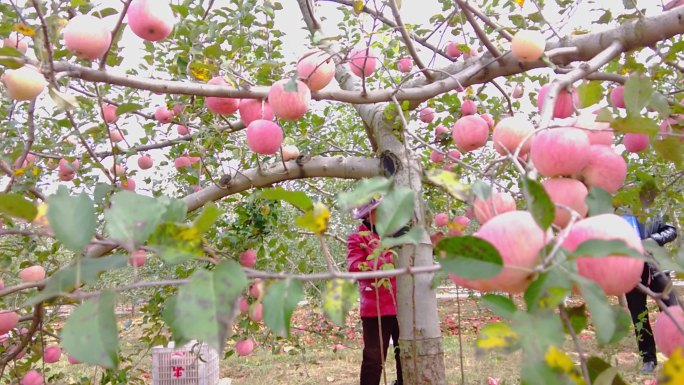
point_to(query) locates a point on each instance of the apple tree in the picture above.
(217, 142)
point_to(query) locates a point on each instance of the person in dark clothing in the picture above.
(378, 297)
(656, 281)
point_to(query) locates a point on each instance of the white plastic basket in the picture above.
(193, 364)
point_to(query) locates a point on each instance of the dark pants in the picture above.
(636, 301)
(373, 351)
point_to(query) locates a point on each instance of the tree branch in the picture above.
(331, 167)
(407, 40)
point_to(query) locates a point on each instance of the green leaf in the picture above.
(469, 257)
(450, 182)
(481, 189)
(413, 237)
(297, 199)
(548, 290)
(280, 300)
(206, 307)
(176, 243)
(499, 305)
(604, 115)
(206, 219)
(590, 93)
(635, 124)
(659, 104)
(596, 366)
(497, 336)
(83, 271)
(603, 248)
(599, 201)
(101, 191)
(128, 107)
(132, 218)
(638, 91)
(395, 211)
(17, 206)
(90, 334)
(363, 192)
(10, 51)
(315, 219)
(64, 101)
(611, 322)
(338, 298)
(10, 62)
(538, 201)
(671, 149)
(577, 315)
(72, 218)
(175, 210)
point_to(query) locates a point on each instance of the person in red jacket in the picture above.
(378, 297)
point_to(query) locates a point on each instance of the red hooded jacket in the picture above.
(376, 298)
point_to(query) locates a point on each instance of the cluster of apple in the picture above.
(9, 321)
(250, 305)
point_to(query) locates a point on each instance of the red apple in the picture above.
(470, 132)
(617, 97)
(151, 20)
(182, 130)
(109, 113)
(163, 114)
(528, 45)
(667, 336)
(441, 133)
(605, 169)
(244, 305)
(32, 377)
(560, 151)
(264, 137)
(8, 321)
(441, 219)
(248, 258)
(316, 69)
(137, 258)
(115, 135)
(14, 41)
(496, 203)
(72, 360)
(363, 62)
(616, 275)
(244, 347)
(128, 184)
(118, 169)
(87, 36)
(564, 103)
(32, 274)
(253, 109)
(289, 99)
(598, 132)
(511, 133)
(426, 115)
(452, 50)
(436, 156)
(145, 162)
(488, 118)
(52, 354)
(24, 83)
(517, 91)
(518, 239)
(257, 312)
(468, 107)
(290, 152)
(567, 192)
(182, 162)
(636, 142)
(405, 64)
(223, 106)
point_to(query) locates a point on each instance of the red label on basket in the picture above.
(178, 371)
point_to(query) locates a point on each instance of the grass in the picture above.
(309, 356)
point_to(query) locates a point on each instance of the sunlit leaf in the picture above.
(496, 335)
(449, 181)
(673, 369)
(315, 219)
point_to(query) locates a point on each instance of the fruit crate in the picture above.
(193, 364)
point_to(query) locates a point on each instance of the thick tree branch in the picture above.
(330, 167)
(475, 10)
(480, 33)
(614, 49)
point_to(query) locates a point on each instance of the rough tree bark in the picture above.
(421, 345)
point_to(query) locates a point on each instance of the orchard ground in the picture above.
(310, 355)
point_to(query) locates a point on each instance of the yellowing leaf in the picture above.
(358, 6)
(23, 29)
(199, 71)
(470, 91)
(19, 171)
(558, 360)
(497, 335)
(520, 3)
(41, 218)
(449, 181)
(673, 370)
(315, 219)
